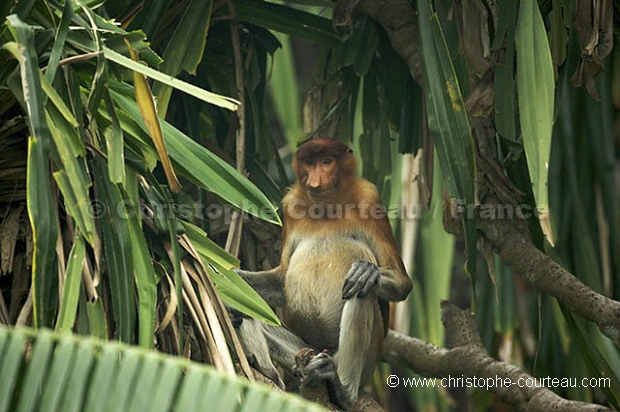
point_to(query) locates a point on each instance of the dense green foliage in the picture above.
(499, 100)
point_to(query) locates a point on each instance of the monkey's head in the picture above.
(323, 165)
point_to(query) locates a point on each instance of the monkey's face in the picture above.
(320, 176)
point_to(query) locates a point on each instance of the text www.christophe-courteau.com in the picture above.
(496, 382)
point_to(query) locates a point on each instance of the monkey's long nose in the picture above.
(314, 181)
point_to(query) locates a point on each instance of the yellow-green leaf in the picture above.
(536, 88)
(145, 101)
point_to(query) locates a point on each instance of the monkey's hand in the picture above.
(361, 279)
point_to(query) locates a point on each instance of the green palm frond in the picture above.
(45, 371)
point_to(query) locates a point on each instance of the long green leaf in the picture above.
(536, 88)
(104, 373)
(114, 143)
(35, 372)
(288, 20)
(218, 100)
(40, 201)
(56, 100)
(590, 346)
(437, 249)
(77, 382)
(144, 273)
(72, 176)
(448, 123)
(10, 366)
(233, 290)
(61, 36)
(504, 102)
(283, 90)
(198, 163)
(72, 287)
(206, 246)
(97, 84)
(65, 353)
(117, 247)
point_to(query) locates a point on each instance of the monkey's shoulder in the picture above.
(367, 191)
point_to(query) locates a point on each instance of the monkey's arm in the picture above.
(269, 284)
(394, 283)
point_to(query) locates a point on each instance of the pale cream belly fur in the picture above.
(323, 261)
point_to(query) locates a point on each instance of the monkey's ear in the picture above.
(350, 151)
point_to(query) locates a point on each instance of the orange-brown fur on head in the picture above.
(323, 166)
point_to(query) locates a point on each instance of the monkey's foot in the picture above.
(318, 373)
(302, 358)
(321, 367)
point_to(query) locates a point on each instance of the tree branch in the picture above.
(469, 360)
(547, 276)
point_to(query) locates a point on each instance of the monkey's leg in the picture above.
(360, 340)
(267, 346)
(359, 343)
(361, 326)
(256, 349)
(283, 345)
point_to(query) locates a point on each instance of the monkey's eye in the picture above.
(326, 160)
(309, 162)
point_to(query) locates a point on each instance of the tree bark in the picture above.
(468, 364)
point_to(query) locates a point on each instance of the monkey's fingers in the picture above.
(370, 279)
(352, 286)
(360, 280)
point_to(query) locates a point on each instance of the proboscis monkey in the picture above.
(340, 267)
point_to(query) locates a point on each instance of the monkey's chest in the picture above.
(313, 285)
